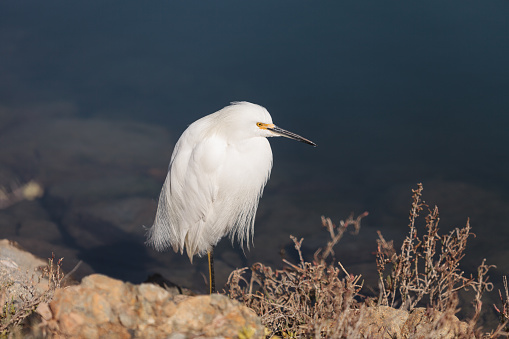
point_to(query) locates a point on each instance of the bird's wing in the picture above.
(194, 188)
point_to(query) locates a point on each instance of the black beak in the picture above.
(285, 133)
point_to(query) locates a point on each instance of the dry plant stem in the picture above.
(304, 299)
(71, 272)
(32, 298)
(298, 246)
(503, 314)
(336, 233)
(427, 266)
(321, 299)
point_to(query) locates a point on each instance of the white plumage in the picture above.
(216, 176)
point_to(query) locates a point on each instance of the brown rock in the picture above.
(390, 323)
(106, 307)
(44, 311)
(70, 322)
(383, 321)
(424, 322)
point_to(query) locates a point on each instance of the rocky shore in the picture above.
(103, 307)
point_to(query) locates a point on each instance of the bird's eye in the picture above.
(259, 124)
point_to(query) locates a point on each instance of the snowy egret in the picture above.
(216, 176)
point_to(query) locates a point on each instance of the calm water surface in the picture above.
(393, 94)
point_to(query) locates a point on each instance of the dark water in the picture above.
(93, 95)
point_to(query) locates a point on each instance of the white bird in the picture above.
(215, 179)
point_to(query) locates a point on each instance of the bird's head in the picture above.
(247, 119)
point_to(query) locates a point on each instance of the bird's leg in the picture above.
(212, 281)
